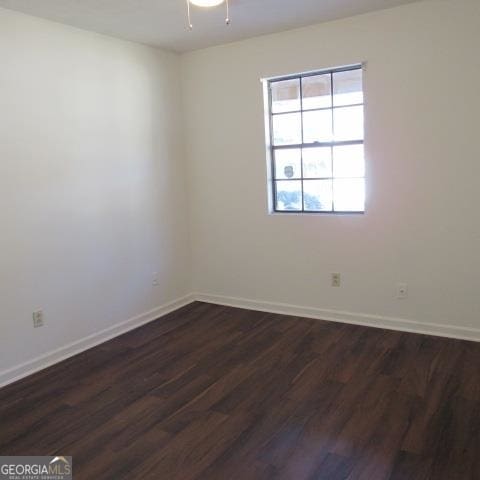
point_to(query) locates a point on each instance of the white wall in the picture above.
(92, 190)
(422, 224)
(92, 173)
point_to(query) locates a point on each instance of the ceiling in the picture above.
(163, 23)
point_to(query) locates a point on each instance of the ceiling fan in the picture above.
(206, 4)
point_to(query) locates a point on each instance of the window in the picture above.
(316, 141)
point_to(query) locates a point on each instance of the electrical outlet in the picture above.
(402, 290)
(37, 319)
(155, 279)
(336, 279)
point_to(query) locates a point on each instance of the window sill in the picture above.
(316, 214)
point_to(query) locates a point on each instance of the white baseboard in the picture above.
(391, 323)
(39, 363)
(378, 321)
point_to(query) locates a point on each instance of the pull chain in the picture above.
(190, 26)
(189, 15)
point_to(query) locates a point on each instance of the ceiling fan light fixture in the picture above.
(206, 3)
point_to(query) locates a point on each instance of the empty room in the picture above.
(239, 239)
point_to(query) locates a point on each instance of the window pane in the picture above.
(349, 195)
(317, 195)
(287, 129)
(317, 126)
(348, 123)
(317, 162)
(317, 92)
(348, 161)
(288, 195)
(288, 163)
(347, 87)
(285, 96)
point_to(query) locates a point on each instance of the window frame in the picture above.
(271, 147)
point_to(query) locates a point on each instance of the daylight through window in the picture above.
(316, 137)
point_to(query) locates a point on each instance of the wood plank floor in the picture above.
(211, 392)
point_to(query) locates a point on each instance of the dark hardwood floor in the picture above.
(211, 392)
